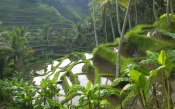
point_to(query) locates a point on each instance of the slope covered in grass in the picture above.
(132, 51)
(23, 13)
(74, 10)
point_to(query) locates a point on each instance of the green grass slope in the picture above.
(133, 50)
(23, 13)
(74, 10)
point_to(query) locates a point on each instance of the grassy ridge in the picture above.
(20, 13)
(74, 10)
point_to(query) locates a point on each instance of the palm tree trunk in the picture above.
(105, 30)
(112, 27)
(46, 48)
(121, 40)
(118, 19)
(154, 10)
(136, 19)
(15, 62)
(171, 6)
(95, 32)
(167, 12)
(1, 72)
(129, 19)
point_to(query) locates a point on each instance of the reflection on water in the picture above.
(77, 69)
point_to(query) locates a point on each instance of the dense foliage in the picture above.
(138, 65)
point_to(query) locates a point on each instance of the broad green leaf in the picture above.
(152, 58)
(127, 87)
(128, 97)
(135, 75)
(167, 33)
(88, 85)
(142, 70)
(43, 84)
(124, 3)
(118, 80)
(76, 88)
(162, 57)
(153, 73)
(142, 81)
(168, 67)
(147, 89)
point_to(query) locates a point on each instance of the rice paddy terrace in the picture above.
(23, 13)
(99, 67)
(34, 14)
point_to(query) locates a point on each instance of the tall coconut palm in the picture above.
(94, 23)
(105, 28)
(104, 20)
(4, 52)
(118, 19)
(47, 31)
(154, 10)
(167, 12)
(171, 6)
(67, 40)
(107, 9)
(16, 47)
(136, 15)
(79, 31)
(123, 3)
(121, 39)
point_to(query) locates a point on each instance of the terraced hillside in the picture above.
(74, 10)
(34, 14)
(22, 13)
(99, 68)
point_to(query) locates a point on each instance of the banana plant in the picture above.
(19, 93)
(48, 90)
(91, 97)
(163, 60)
(141, 80)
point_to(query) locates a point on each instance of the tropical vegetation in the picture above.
(91, 54)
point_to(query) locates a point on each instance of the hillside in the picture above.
(30, 13)
(74, 10)
(139, 53)
(33, 14)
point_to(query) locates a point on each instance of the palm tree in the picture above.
(171, 6)
(154, 10)
(79, 31)
(121, 39)
(67, 40)
(47, 31)
(16, 47)
(107, 10)
(167, 12)
(118, 19)
(94, 23)
(104, 20)
(135, 6)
